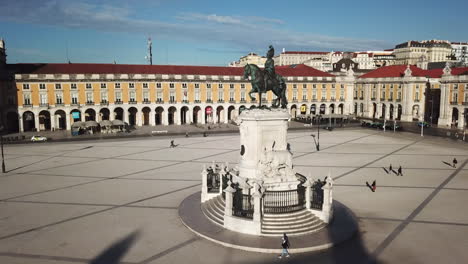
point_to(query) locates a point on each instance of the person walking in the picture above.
(390, 169)
(399, 171)
(172, 144)
(285, 245)
(454, 162)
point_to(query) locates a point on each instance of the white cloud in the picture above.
(247, 33)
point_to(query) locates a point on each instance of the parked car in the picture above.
(38, 138)
(376, 125)
(424, 123)
(390, 126)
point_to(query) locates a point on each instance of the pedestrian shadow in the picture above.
(396, 173)
(448, 164)
(385, 169)
(115, 252)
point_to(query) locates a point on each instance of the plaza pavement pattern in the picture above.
(68, 202)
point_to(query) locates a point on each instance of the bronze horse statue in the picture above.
(260, 85)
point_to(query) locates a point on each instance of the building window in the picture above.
(208, 94)
(242, 86)
(43, 99)
(417, 96)
(208, 86)
(159, 96)
(341, 94)
(221, 94)
(383, 95)
(294, 86)
(103, 85)
(324, 86)
(145, 85)
(88, 86)
(73, 86)
(131, 96)
(333, 86)
(231, 86)
(455, 97)
(89, 98)
(172, 96)
(323, 94)
(171, 85)
(304, 94)
(242, 96)
(42, 86)
(220, 86)
(231, 96)
(466, 97)
(197, 95)
(399, 95)
(304, 86)
(74, 98)
(145, 94)
(197, 86)
(27, 99)
(314, 94)
(342, 86)
(26, 86)
(58, 99)
(117, 85)
(58, 86)
(314, 86)
(131, 85)
(185, 93)
(184, 85)
(455, 86)
(103, 97)
(118, 96)
(158, 85)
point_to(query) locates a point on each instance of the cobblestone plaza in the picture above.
(68, 202)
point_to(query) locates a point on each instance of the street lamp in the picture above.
(317, 143)
(1, 146)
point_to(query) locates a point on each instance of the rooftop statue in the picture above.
(267, 80)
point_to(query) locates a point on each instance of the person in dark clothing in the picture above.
(454, 162)
(204, 134)
(285, 245)
(373, 186)
(172, 144)
(390, 168)
(400, 173)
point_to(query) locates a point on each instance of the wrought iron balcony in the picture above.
(243, 101)
(232, 100)
(220, 101)
(27, 105)
(172, 101)
(209, 101)
(146, 101)
(118, 102)
(159, 100)
(43, 105)
(197, 101)
(59, 104)
(454, 102)
(185, 101)
(132, 101)
(89, 103)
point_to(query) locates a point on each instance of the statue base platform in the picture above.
(341, 229)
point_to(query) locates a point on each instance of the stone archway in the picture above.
(331, 109)
(400, 112)
(209, 114)
(242, 108)
(384, 110)
(196, 115)
(146, 115)
(132, 116)
(303, 109)
(322, 109)
(220, 114)
(29, 121)
(355, 108)
(455, 114)
(90, 115)
(119, 113)
(104, 114)
(158, 116)
(44, 120)
(60, 119)
(184, 115)
(341, 109)
(392, 109)
(171, 115)
(415, 112)
(293, 111)
(231, 113)
(313, 109)
(374, 110)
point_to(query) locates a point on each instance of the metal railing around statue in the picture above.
(279, 202)
(242, 204)
(316, 201)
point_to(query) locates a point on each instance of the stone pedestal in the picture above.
(264, 148)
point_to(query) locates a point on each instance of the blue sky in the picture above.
(216, 32)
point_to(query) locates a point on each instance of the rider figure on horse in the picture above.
(270, 67)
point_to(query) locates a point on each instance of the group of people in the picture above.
(399, 171)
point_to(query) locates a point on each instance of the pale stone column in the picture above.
(228, 205)
(214, 115)
(52, 122)
(257, 215)
(164, 117)
(308, 186)
(20, 121)
(327, 200)
(203, 116)
(36, 121)
(226, 115)
(138, 118)
(152, 117)
(177, 118)
(204, 191)
(461, 119)
(67, 121)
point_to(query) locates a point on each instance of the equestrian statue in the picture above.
(266, 80)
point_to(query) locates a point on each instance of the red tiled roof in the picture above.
(305, 52)
(91, 68)
(399, 71)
